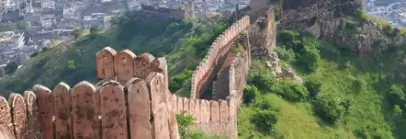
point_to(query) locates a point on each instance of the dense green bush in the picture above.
(10, 67)
(286, 54)
(263, 81)
(313, 86)
(291, 91)
(184, 122)
(264, 121)
(309, 59)
(299, 49)
(250, 94)
(329, 108)
(396, 95)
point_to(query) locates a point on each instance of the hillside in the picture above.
(352, 66)
(183, 43)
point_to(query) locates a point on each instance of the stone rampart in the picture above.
(263, 35)
(219, 47)
(130, 101)
(211, 116)
(131, 98)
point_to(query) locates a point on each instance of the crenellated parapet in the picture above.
(219, 47)
(211, 116)
(124, 65)
(131, 100)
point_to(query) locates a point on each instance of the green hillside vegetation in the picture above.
(343, 95)
(183, 43)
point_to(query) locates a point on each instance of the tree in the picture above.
(78, 33)
(11, 67)
(94, 30)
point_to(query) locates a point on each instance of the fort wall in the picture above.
(263, 35)
(211, 116)
(131, 98)
(219, 47)
(160, 13)
(129, 101)
(231, 77)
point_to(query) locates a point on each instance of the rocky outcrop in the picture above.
(339, 21)
(305, 13)
(281, 72)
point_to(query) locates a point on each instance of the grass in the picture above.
(295, 121)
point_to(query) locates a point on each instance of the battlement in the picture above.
(124, 65)
(131, 98)
(219, 47)
(104, 110)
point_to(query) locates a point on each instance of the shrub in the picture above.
(306, 50)
(184, 121)
(359, 85)
(396, 95)
(287, 36)
(397, 110)
(313, 86)
(310, 57)
(285, 54)
(78, 33)
(329, 108)
(264, 121)
(291, 91)
(10, 67)
(250, 94)
(263, 81)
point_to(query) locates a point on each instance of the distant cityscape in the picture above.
(392, 10)
(38, 23)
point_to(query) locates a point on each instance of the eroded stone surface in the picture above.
(224, 111)
(142, 65)
(19, 114)
(113, 111)
(105, 63)
(85, 115)
(139, 109)
(34, 131)
(62, 109)
(214, 111)
(161, 127)
(124, 62)
(5, 118)
(45, 110)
